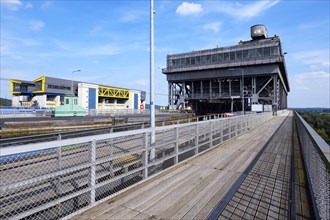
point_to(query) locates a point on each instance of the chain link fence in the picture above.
(316, 158)
(57, 179)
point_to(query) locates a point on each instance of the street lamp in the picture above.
(72, 79)
(242, 73)
(152, 88)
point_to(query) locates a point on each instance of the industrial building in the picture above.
(249, 76)
(49, 92)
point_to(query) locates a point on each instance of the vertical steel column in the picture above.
(184, 95)
(229, 83)
(202, 89)
(275, 94)
(170, 95)
(92, 170)
(192, 90)
(210, 90)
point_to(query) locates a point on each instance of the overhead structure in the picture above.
(243, 77)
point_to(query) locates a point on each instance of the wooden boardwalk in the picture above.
(195, 187)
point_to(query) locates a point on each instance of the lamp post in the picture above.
(152, 88)
(72, 79)
(242, 73)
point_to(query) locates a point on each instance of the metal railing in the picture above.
(24, 112)
(315, 152)
(61, 178)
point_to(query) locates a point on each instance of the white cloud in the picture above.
(101, 50)
(314, 24)
(310, 89)
(315, 58)
(187, 8)
(242, 11)
(215, 26)
(130, 16)
(36, 25)
(28, 5)
(30, 42)
(46, 4)
(13, 5)
(305, 81)
(140, 82)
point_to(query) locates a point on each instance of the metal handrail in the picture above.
(315, 153)
(41, 179)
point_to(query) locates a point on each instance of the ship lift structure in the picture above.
(227, 79)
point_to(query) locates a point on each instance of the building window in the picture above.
(50, 98)
(220, 57)
(214, 58)
(67, 101)
(274, 51)
(17, 87)
(267, 51)
(232, 55)
(38, 85)
(58, 87)
(192, 61)
(76, 101)
(226, 56)
(260, 52)
(239, 55)
(245, 54)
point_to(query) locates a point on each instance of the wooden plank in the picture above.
(165, 204)
(194, 205)
(153, 198)
(157, 198)
(133, 193)
(222, 190)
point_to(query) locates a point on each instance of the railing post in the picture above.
(221, 131)
(111, 159)
(176, 147)
(92, 170)
(58, 179)
(145, 155)
(211, 134)
(196, 140)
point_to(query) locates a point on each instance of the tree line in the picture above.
(319, 121)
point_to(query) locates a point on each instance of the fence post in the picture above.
(58, 179)
(92, 170)
(145, 155)
(211, 134)
(111, 159)
(221, 131)
(196, 140)
(176, 147)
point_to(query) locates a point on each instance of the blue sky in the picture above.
(109, 40)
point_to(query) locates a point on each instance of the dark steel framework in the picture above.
(217, 80)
